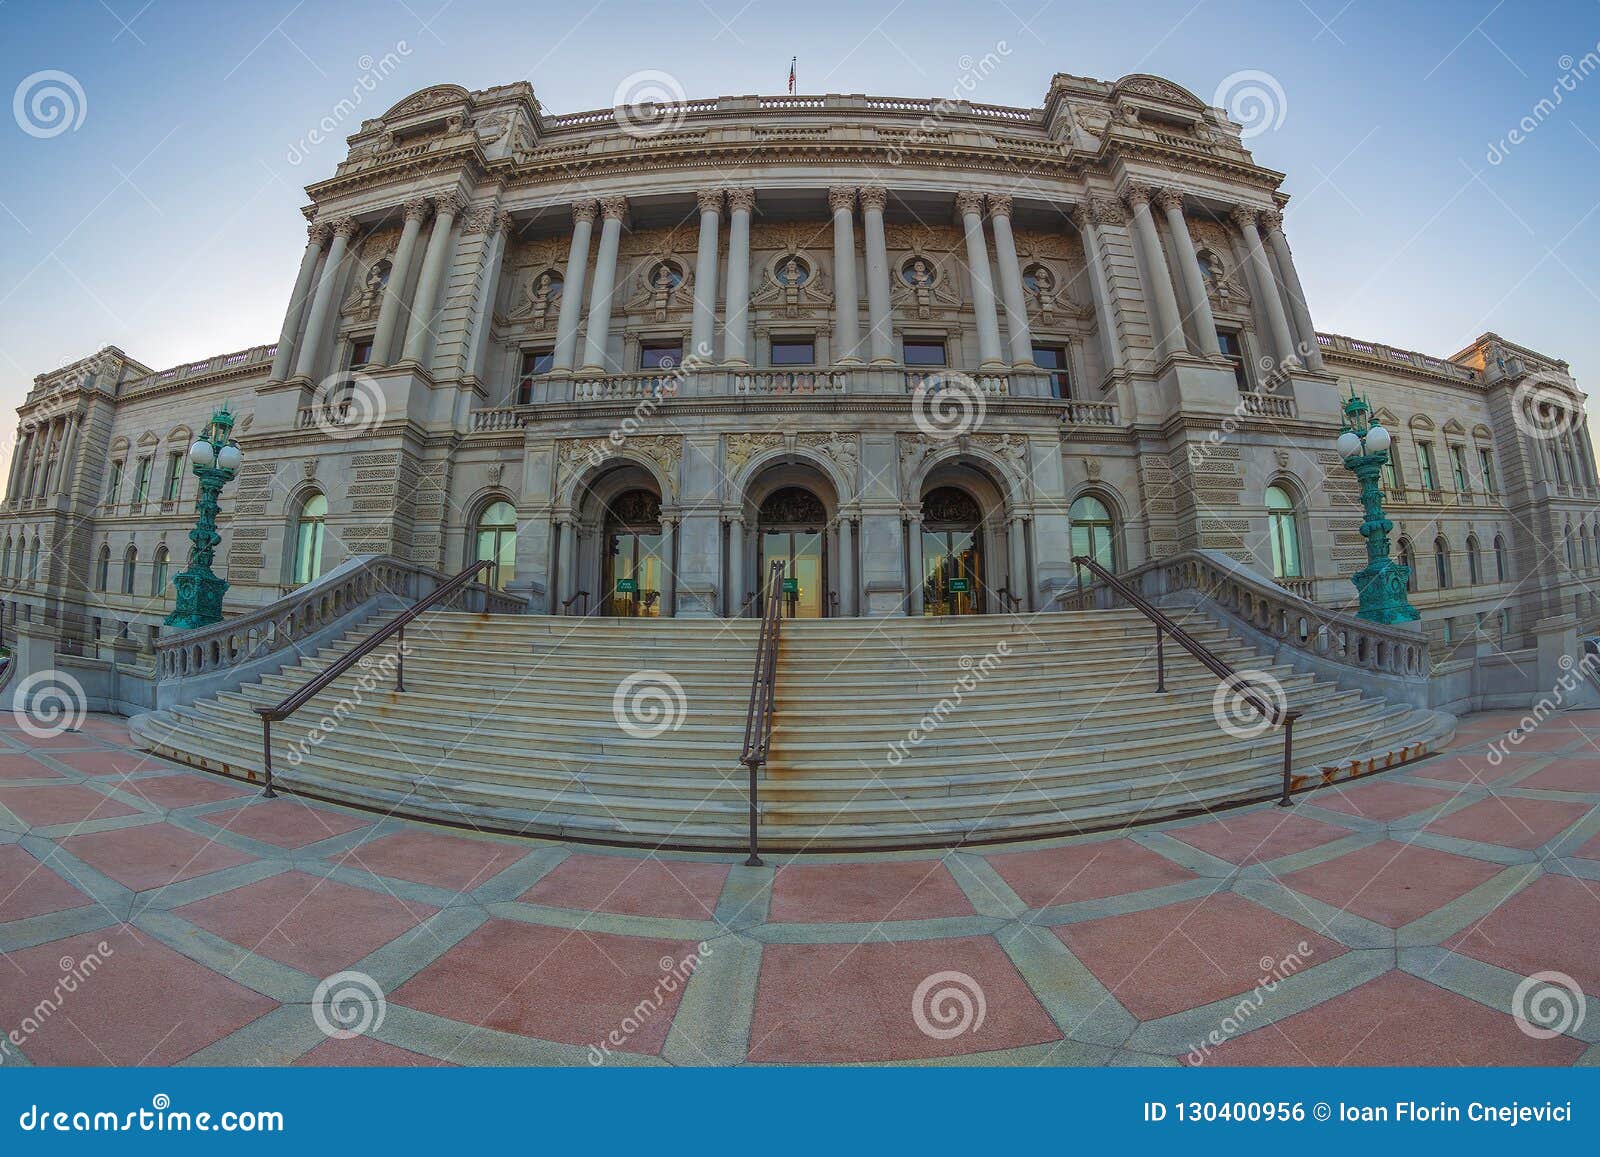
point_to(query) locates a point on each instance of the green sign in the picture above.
(628, 586)
(958, 586)
(791, 586)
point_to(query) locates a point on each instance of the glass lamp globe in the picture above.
(1349, 444)
(1377, 440)
(201, 453)
(228, 458)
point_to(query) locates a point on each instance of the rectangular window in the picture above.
(1054, 359)
(661, 355)
(794, 351)
(1233, 349)
(360, 352)
(114, 484)
(1458, 468)
(1486, 464)
(535, 362)
(1391, 480)
(924, 352)
(1425, 464)
(141, 482)
(174, 475)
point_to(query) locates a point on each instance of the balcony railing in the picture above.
(1263, 405)
(785, 382)
(994, 385)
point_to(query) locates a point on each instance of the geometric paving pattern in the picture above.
(1385, 921)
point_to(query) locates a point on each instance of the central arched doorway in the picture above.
(632, 570)
(952, 553)
(792, 525)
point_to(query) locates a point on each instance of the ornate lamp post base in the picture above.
(199, 599)
(1381, 585)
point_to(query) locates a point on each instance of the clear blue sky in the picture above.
(168, 221)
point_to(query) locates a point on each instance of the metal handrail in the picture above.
(566, 607)
(758, 716)
(1209, 659)
(297, 699)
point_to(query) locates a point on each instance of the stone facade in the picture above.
(737, 298)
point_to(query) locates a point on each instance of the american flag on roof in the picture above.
(792, 61)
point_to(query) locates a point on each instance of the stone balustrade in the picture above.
(785, 382)
(1263, 405)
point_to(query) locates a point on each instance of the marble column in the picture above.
(880, 316)
(847, 568)
(383, 339)
(1194, 285)
(970, 206)
(613, 210)
(1083, 216)
(323, 304)
(17, 459)
(702, 332)
(736, 315)
(1271, 299)
(304, 282)
(1018, 334)
(577, 274)
(69, 446)
(669, 567)
(1166, 322)
(1273, 220)
(914, 579)
(500, 227)
(846, 297)
(735, 566)
(1017, 581)
(566, 572)
(419, 334)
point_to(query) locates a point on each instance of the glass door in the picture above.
(805, 570)
(632, 581)
(952, 570)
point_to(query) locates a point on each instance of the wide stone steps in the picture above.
(509, 722)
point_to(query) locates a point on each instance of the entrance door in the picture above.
(952, 553)
(792, 528)
(632, 566)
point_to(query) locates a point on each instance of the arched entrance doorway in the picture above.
(952, 553)
(792, 525)
(632, 549)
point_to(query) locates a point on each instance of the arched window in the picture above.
(5, 559)
(1566, 539)
(158, 573)
(1093, 533)
(33, 559)
(1409, 561)
(1441, 562)
(1500, 571)
(130, 560)
(1284, 530)
(102, 570)
(308, 539)
(1583, 543)
(1474, 572)
(497, 541)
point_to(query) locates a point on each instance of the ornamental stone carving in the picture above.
(614, 208)
(842, 448)
(709, 200)
(738, 449)
(741, 199)
(576, 455)
(969, 202)
(1244, 216)
(318, 233)
(585, 210)
(999, 205)
(1169, 199)
(478, 219)
(1271, 219)
(417, 209)
(874, 197)
(1136, 195)
(842, 197)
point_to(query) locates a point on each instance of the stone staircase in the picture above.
(889, 732)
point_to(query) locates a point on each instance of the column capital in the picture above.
(1169, 199)
(417, 209)
(452, 202)
(842, 197)
(318, 233)
(585, 211)
(481, 219)
(1105, 211)
(345, 227)
(741, 199)
(503, 221)
(1244, 216)
(1135, 196)
(999, 204)
(614, 208)
(1272, 219)
(969, 202)
(709, 200)
(874, 197)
